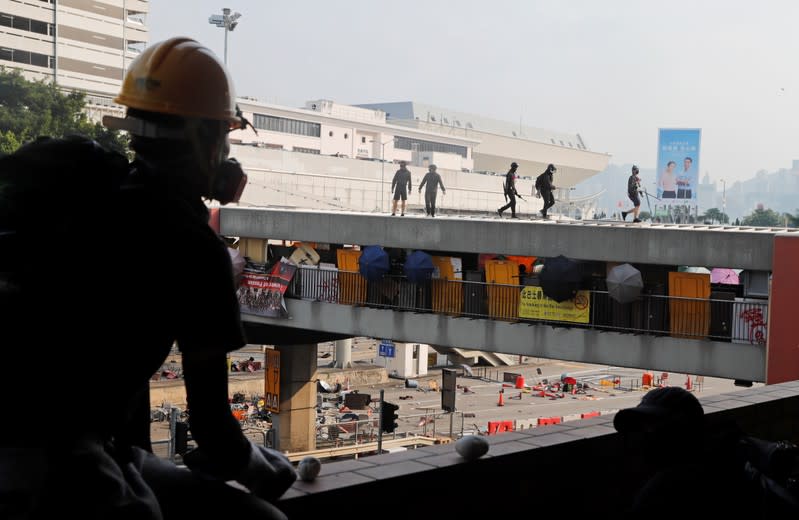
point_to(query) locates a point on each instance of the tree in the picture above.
(763, 217)
(792, 220)
(29, 109)
(715, 215)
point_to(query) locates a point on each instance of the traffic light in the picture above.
(388, 416)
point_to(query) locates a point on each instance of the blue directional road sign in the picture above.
(387, 348)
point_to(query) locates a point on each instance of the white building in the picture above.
(79, 44)
(328, 155)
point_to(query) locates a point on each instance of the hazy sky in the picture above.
(613, 70)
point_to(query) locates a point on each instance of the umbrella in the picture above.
(560, 278)
(373, 263)
(624, 283)
(419, 267)
(698, 270)
(724, 275)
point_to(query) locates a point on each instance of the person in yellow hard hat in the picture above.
(170, 280)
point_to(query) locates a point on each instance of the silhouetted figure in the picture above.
(400, 186)
(633, 192)
(431, 182)
(544, 185)
(509, 187)
(675, 457)
(154, 274)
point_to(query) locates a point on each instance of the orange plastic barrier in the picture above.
(588, 415)
(545, 421)
(519, 382)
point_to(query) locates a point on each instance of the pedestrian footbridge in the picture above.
(748, 335)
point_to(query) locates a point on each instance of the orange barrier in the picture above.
(519, 382)
(647, 379)
(495, 427)
(545, 421)
(588, 415)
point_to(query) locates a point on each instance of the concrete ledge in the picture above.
(575, 467)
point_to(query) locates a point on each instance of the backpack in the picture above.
(52, 189)
(539, 181)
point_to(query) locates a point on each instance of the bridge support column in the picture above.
(344, 353)
(782, 343)
(295, 425)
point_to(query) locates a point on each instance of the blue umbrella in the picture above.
(419, 267)
(373, 263)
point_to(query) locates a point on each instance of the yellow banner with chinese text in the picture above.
(535, 305)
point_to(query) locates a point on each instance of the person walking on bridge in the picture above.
(633, 192)
(544, 187)
(509, 187)
(432, 180)
(400, 186)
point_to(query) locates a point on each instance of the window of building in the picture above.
(409, 143)
(286, 126)
(330, 133)
(346, 136)
(24, 24)
(28, 58)
(305, 150)
(363, 140)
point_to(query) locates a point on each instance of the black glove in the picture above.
(268, 473)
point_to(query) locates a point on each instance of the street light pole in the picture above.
(226, 21)
(382, 172)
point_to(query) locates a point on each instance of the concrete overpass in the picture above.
(748, 248)
(769, 250)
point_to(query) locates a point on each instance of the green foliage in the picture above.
(715, 215)
(29, 109)
(645, 215)
(763, 217)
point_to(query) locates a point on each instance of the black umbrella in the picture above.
(560, 278)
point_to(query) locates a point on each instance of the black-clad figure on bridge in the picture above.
(431, 182)
(633, 193)
(544, 187)
(400, 186)
(104, 311)
(509, 187)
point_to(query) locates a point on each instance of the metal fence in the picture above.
(737, 321)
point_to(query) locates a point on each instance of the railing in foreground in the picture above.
(738, 321)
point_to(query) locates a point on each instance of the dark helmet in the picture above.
(635, 169)
(552, 168)
(514, 165)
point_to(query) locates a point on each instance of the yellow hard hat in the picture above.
(181, 77)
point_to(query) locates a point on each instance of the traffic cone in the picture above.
(688, 384)
(501, 401)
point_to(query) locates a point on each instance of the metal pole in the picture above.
(380, 426)
(382, 175)
(226, 31)
(450, 424)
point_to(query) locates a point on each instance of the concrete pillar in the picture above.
(295, 425)
(344, 353)
(782, 345)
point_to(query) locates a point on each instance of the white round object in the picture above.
(471, 447)
(309, 468)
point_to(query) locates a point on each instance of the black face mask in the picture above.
(229, 182)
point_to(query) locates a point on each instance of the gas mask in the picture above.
(229, 181)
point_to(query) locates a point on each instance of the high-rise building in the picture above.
(80, 44)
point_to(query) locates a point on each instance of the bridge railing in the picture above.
(738, 321)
